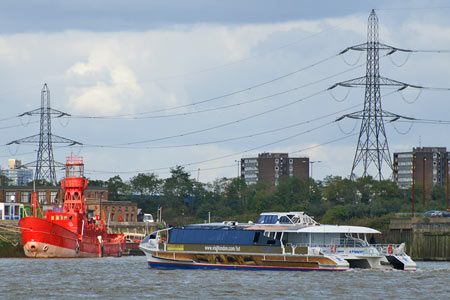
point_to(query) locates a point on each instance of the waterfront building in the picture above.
(269, 167)
(16, 175)
(51, 197)
(430, 167)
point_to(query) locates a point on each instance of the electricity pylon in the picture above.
(45, 163)
(372, 147)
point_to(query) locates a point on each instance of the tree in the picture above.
(336, 215)
(146, 184)
(292, 193)
(339, 190)
(115, 187)
(98, 183)
(178, 193)
(233, 196)
(4, 180)
(41, 182)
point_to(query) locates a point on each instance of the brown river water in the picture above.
(130, 278)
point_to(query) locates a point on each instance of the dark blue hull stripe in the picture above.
(159, 265)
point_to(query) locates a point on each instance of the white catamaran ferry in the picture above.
(278, 241)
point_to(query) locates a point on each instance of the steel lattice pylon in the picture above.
(372, 147)
(45, 163)
(372, 143)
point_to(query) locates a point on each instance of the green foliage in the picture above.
(40, 182)
(145, 184)
(116, 187)
(334, 200)
(4, 180)
(97, 183)
(336, 215)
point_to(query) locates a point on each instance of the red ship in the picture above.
(68, 233)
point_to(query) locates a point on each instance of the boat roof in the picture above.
(337, 229)
(315, 229)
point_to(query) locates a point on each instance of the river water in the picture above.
(130, 278)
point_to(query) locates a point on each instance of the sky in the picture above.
(150, 85)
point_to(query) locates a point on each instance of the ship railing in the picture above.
(391, 249)
(339, 246)
(350, 246)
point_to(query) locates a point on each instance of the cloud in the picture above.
(135, 72)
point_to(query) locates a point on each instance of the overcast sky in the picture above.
(155, 84)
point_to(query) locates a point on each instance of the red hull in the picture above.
(45, 239)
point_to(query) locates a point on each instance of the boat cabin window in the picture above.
(256, 237)
(285, 220)
(60, 217)
(268, 220)
(151, 236)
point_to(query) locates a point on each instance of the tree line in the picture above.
(334, 200)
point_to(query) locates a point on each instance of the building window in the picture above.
(54, 197)
(126, 217)
(41, 197)
(25, 197)
(10, 197)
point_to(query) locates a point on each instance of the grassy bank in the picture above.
(8, 250)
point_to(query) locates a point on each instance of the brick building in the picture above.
(97, 202)
(269, 167)
(430, 165)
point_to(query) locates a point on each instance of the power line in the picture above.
(213, 68)
(235, 104)
(224, 156)
(18, 125)
(223, 124)
(412, 8)
(216, 97)
(229, 139)
(323, 144)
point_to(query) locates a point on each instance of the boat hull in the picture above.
(247, 261)
(44, 239)
(202, 266)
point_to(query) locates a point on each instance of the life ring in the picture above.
(333, 248)
(390, 249)
(163, 240)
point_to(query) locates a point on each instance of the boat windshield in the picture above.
(270, 219)
(274, 219)
(151, 236)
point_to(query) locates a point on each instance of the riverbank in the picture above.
(10, 240)
(427, 239)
